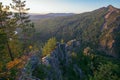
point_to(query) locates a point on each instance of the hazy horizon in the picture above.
(65, 6)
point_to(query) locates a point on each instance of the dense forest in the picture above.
(70, 46)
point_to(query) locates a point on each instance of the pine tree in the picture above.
(23, 21)
(7, 28)
(49, 46)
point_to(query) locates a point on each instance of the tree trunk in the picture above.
(9, 51)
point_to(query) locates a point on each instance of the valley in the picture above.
(59, 46)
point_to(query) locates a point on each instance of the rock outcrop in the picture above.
(111, 29)
(26, 72)
(59, 60)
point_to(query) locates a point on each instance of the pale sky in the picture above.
(65, 6)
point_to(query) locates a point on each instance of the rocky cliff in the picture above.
(110, 32)
(59, 62)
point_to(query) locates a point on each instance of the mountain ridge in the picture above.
(112, 17)
(91, 28)
(49, 15)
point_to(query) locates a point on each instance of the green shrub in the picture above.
(49, 46)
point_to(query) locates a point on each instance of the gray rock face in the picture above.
(59, 60)
(71, 44)
(55, 60)
(26, 73)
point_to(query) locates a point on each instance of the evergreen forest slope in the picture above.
(99, 29)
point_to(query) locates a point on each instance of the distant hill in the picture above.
(49, 15)
(99, 29)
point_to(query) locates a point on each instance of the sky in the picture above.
(65, 6)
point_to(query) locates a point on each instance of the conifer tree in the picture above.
(24, 22)
(49, 46)
(7, 28)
